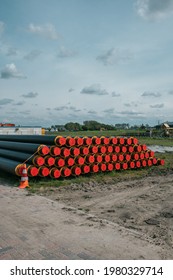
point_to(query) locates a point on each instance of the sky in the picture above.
(75, 60)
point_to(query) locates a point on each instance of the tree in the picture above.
(92, 125)
(142, 126)
(71, 126)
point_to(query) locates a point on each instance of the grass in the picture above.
(156, 141)
(108, 133)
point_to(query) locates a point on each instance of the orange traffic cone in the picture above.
(24, 178)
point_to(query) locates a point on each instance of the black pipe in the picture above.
(15, 155)
(38, 139)
(17, 146)
(9, 165)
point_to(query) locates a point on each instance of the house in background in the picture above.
(161, 125)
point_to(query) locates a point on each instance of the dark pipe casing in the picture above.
(21, 147)
(10, 166)
(15, 155)
(38, 139)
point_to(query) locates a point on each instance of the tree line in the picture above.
(90, 125)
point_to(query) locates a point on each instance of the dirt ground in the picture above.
(144, 206)
(125, 219)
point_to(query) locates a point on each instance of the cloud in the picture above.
(2, 27)
(26, 112)
(157, 106)
(64, 53)
(30, 95)
(71, 89)
(153, 94)
(94, 90)
(19, 103)
(114, 94)
(10, 71)
(154, 9)
(114, 56)
(12, 52)
(132, 104)
(6, 101)
(130, 113)
(109, 111)
(92, 112)
(47, 31)
(32, 55)
(74, 109)
(65, 107)
(61, 108)
(170, 92)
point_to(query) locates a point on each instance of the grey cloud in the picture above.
(71, 89)
(170, 92)
(63, 53)
(32, 55)
(109, 111)
(92, 112)
(26, 112)
(154, 9)
(157, 106)
(12, 52)
(132, 104)
(148, 93)
(114, 94)
(30, 95)
(73, 116)
(130, 113)
(73, 108)
(61, 108)
(19, 103)
(94, 90)
(114, 56)
(127, 104)
(10, 71)
(48, 31)
(6, 101)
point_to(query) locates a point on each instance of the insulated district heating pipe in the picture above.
(25, 147)
(15, 155)
(10, 166)
(49, 140)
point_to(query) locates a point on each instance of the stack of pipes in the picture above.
(72, 156)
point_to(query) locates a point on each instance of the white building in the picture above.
(22, 130)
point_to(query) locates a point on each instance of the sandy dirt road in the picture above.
(125, 220)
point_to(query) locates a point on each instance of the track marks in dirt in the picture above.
(143, 206)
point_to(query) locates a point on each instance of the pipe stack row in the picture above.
(72, 156)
